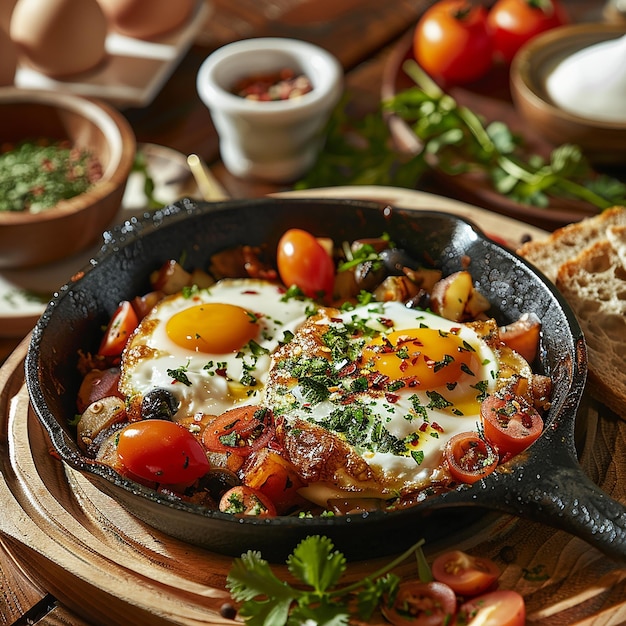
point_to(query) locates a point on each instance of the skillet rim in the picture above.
(124, 236)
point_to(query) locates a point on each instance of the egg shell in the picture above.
(59, 37)
(145, 19)
(6, 10)
(8, 59)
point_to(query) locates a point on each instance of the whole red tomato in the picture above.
(514, 22)
(451, 41)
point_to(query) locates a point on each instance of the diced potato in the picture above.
(170, 278)
(451, 294)
(397, 288)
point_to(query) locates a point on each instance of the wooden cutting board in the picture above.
(109, 568)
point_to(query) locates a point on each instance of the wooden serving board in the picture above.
(106, 567)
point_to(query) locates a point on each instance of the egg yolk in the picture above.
(214, 328)
(433, 358)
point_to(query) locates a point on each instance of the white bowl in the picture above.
(276, 141)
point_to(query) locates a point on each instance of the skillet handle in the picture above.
(558, 493)
(565, 497)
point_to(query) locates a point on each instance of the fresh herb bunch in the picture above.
(268, 601)
(454, 140)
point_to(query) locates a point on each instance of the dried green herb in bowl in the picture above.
(36, 174)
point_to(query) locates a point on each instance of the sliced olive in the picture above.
(218, 481)
(159, 404)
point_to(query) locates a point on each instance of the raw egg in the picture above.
(59, 37)
(146, 19)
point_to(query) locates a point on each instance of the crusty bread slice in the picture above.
(617, 238)
(550, 253)
(594, 283)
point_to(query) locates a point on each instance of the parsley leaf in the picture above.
(268, 601)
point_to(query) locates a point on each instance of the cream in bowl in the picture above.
(570, 85)
(276, 133)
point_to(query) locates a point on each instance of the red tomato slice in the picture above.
(241, 430)
(469, 457)
(451, 41)
(161, 451)
(421, 604)
(510, 424)
(302, 261)
(242, 500)
(121, 326)
(497, 608)
(465, 574)
(514, 22)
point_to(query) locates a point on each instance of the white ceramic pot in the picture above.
(276, 141)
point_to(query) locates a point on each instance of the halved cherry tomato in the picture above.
(469, 457)
(451, 41)
(421, 604)
(510, 423)
(161, 451)
(241, 430)
(122, 324)
(497, 608)
(514, 22)
(465, 574)
(303, 261)
(242, 500)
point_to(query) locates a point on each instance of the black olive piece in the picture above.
(159, 404)
(394, 259)
(218, 481)
(368, 275)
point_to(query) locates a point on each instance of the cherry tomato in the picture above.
(162, 451)
(510, 424)
(241, 430)
(497, 608)
(514, 22)
(421, 604)
(469, 457)
(302, 261)
(242, 500)
(451, 41)
(465, 574)
(122, 324)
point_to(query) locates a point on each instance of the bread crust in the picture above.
(587, 262)
(566, 242)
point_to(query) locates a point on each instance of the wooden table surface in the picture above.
(361, 33)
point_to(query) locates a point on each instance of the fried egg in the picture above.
(211, 347)
(394, 382)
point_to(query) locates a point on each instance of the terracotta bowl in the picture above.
(29, 239)
(603, 142)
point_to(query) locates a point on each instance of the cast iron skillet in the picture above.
(545, 484)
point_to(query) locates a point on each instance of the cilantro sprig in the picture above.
(454, 140)
(266, 600)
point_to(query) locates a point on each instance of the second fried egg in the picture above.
(395, 383)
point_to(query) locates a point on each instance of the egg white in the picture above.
(428, 427)
(214, 380)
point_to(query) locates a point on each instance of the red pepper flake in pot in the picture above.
(282, 85)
